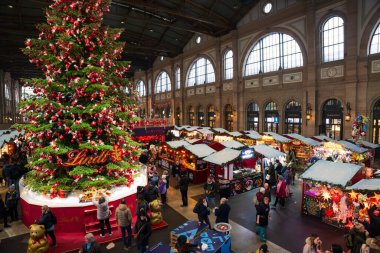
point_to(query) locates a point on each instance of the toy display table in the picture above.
(191, 229)
(217, 242)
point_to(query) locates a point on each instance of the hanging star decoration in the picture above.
(362, 198)
(353, 195)
(326, 195)
(376, 197)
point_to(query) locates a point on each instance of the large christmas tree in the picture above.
(81, 114)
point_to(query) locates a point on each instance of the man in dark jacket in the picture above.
(262, 218)
(222, 212)
(11, 201)
(183, 187)
(142, 232)
(151, 192)
(202, 211)
(210, 190)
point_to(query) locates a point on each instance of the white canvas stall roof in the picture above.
(220, 130)
(200, 150)
(6, 137)
(191, 140)
(278, 137)
(366, 143)
(307, 141)
(224, 156)
(372, 184)
(235, 134)
(232, 144)
(267, 151)
(253, 135)
(323, 138)
(179, 127)
(330, 172)
(177, 144)
(204, 131)
(191, 128)
(352, 147)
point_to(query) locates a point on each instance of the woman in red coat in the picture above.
(280, 191)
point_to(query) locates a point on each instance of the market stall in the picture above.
(366, 144)
(342, 151)
(249, 138)
(275, 140)
(195, 132)
(362, 196)
(231, 177)
(169, 153)
(323, 195)
(264, 155)
(221, 134)
(301, 147)
(192, 161)
(232, 144)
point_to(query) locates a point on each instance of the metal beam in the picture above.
(155, 7)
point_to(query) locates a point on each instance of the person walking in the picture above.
(267, 192)
(162, 189)
(202, 211)
(183, 187)
(222, 212)
(90, 245)
(143, 231)
(262, 218)
(49, 220)
(280, 192)
(165, 175)
(123, 217)
(11, 200)
(103, 213)
(210, 191)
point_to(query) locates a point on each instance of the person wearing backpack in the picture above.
(103, 213)
(123, 217)
(49, 220)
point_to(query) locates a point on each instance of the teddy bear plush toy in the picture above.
(155, 212)
(38, 242)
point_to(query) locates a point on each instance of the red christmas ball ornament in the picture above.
(61, 137)
(329, 213)
(53, 118)
(40, 136)
(336, 197)
(93, 124)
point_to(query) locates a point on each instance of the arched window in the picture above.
(228, 65)
(293, 118)
(333, 39)
(253, 117)
(191, 116)
(271, 119)
(201, 116)
(163, 83)
(201, 72)
(229, 118)
(376, 123)
(332, 123)
(178, 78)
(374, 47)
(140, 87)
(211, 116)
(274, 52)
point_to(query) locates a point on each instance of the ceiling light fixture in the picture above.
(122, 22)
(10, 6)
(151, 30)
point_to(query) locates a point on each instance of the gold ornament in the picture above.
(353, 194)
(326, 195)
